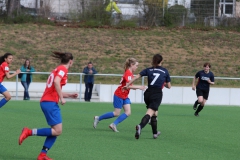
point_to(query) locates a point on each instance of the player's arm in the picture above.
(193, 83)
(167, 82)
(57, 86)
(211, 80)
(138, 87)
(132, 80)
(8, 75)
(69, 95)
(168, 85)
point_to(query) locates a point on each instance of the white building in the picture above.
(185, 3)
(3, 5)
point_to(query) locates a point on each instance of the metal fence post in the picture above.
(16, 98)
(80, 89)
(214, 14)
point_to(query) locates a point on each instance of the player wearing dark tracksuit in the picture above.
(158, 77)
(204, 79)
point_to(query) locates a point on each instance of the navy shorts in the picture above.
(52, 113)
(202, 92)
(153, 98)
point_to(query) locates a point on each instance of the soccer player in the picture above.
(205, 79)
(49, 105)
(158, 77)
(5, 61)
(120, 98)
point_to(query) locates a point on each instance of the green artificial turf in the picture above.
(214, 135)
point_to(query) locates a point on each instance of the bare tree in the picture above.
(13, 6)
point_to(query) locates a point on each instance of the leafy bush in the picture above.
(174, 15)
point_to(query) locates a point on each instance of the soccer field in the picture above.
(214, 135)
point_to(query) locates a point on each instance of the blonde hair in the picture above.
(129, 62)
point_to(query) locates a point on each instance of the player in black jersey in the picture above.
(205, 78)
(158, 77)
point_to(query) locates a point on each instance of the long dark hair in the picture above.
(2, 58)
(25, 64)
(157, 59)
(65, 57)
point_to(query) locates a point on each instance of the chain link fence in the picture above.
(134, 12)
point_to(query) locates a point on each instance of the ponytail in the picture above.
(129, 62)
(64, 57)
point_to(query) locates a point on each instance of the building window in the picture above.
(227, 7)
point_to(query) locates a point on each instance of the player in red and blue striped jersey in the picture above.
(5, 60)
(120, 98)
(49, 105)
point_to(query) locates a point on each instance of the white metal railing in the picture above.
(115, 75)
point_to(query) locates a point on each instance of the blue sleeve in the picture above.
(212, 78)
(85, 70)
(143, 72)
(168, 79)
(197, 75)
(94, 71)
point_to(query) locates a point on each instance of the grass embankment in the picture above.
(184, 50)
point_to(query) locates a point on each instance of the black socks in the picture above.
(200, 107)
(145, 120)
(154, 124)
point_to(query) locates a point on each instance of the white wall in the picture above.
(29, 3)
(175, 95)
(178, 95)
(185, 3)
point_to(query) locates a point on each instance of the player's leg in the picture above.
(127, 111)
(6, 95)
(117, 103)
(143, 122)
(146, 117)
(52, 114)
(154, 121)
(199, 99)
(156, 102)
(56, 130)
(199, 93)
(195, 105)
(154, 97)
(205, 97)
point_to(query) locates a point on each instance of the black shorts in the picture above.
(153, 98)
(202, 92)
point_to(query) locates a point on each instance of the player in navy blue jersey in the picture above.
(204, 79)
(158, 77)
